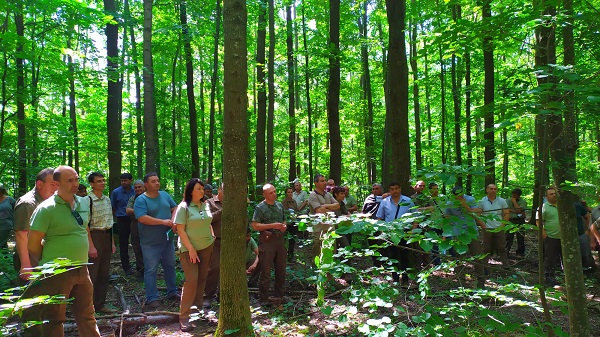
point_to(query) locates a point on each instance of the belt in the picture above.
(107, 230)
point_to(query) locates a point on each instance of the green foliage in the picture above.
(14, 301)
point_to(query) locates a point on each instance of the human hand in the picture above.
(92, 252)
(25, 272)
(194, 257)
(114, 248)
(168, 223)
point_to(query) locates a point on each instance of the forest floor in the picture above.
(344, 316)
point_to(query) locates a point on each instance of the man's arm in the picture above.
(264, 226)
(34, 246)
(152, 221)
(21, 238)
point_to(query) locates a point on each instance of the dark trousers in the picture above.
(510, 237)
(137, 248)
(293, 233)
(195, 280)
(100, 266)
(74, 284)
(552, 256)
(495, 242)
(402, 255)
(214, 272)
(124, 226)
(271, 252)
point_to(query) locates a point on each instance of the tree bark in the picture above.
(488, 95)
(213, 92)
(367, 97)
(415, 75)
(235, 306)
(397, 109)
(150, 122)
(261, 114)
(333, 94)
(189, 81)
(456, 88)
(291, 93)
(308, 105)
(113, 118)
(20, 97)
(271, 98)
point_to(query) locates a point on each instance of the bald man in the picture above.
(269, 220)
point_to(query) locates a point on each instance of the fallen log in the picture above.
(158, 317)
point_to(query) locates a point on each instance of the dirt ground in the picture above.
(301, 317)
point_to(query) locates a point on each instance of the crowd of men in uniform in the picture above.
(58, 219)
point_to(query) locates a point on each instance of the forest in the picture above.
(362, 91)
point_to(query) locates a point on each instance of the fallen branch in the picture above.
(158, 317)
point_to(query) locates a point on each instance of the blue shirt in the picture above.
(160, 208)
(460, 220)
(387, 208)
(119, 198)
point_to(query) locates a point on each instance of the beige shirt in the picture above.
(101, 212)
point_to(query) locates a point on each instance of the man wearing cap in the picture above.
(119, 198)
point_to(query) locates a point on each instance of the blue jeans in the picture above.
(153, 255)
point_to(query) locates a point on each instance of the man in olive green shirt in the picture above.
(269, 219)
(551, 234)
(65, 236)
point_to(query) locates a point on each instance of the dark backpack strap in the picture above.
(91, 210)
(398, 208)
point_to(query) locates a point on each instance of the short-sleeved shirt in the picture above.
(24, 208)
(159, 208)
(119, 199)
(389, 211)
(64, 236)
(493, 211)
(300, 197)
(315, 200)
(216, 209)
(101, 212)
(350, 201)
(371, 205)
(197, 219)
(580, 213)
(251, 246)
(266, 214)
(438, 203)
(513, 214)
(550, 220)
(461, 221)
(7, 218)
(595, 213)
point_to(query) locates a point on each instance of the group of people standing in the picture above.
(58, 220)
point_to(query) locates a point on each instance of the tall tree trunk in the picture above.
(189, 69)
(456, 80)
(469, 183)
(443, 108)
(150, 122)
(333, 93)
(138, 92)
(271, 98)
(488, 95)
(415, 75)
(261, 114)
(291, 93)
(308, 105)
(367, 95)
(386, 153)
(235, 306)
(397, 109)
(3, 98)
(113, 118)
(74, 151)
(21, 94)
(213, 92)
(427, 103)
